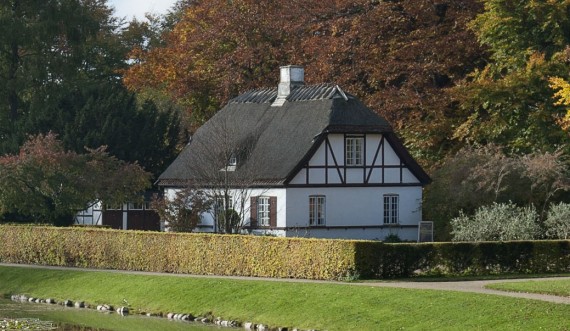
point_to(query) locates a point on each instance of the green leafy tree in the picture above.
(107, 114)
(497, 222)
(49, 184)
(47, 47)
(510, 101)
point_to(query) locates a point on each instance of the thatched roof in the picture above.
(271, 143)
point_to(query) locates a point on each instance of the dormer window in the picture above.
(231, 165)
(233, 161)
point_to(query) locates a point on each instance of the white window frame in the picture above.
(263, 211)
(317, 210)
(391, 203)
(354, 150)
(136, 206)
(232, 162)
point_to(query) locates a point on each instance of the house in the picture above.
(127, 216)
(300, 160)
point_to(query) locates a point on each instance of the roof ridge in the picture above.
(319, 91)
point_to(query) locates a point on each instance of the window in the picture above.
(135, 206)
(353, 151)
(316, 210)
(263, 211)
(391, 202)
(232, 161)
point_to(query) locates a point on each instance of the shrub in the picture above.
(497, 222)
(557, 222)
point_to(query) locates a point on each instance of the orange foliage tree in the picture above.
(399, 57)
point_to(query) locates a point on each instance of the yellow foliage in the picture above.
(563, 99)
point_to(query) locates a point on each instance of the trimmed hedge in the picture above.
(206, 254)
(237, 255)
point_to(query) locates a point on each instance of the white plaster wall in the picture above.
(354, 206)
(372, 141)
(319, 156)
(406, 234)
(390, 157)
(207, 224)
(337, 145)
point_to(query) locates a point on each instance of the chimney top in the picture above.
(290, 76)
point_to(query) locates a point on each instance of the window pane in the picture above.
(316, 210)
(354, 155)
(391, 203)
(263, 211)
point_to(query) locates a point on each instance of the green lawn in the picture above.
(554, 287)
(303, 305)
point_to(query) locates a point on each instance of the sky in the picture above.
(137, 8)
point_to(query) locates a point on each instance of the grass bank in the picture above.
(303, 305)
(554, 287)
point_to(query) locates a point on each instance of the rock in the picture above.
(31, 299)
(80, 304)
(50, 301)
(261, 327)
(170, 316)
(248, 326)
(68, 303)
(123, 311)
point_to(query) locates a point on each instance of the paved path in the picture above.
(476, 286)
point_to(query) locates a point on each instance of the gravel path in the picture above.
(476, 286)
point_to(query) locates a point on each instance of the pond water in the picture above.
(74, 319)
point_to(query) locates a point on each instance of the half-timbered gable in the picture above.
(314, 160)
(366, 159)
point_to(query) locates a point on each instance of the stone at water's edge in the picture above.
(26, 324)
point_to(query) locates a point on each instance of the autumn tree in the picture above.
(510, 101)
(401, 58)
(183, 211)
(49, 184)
(562, 96)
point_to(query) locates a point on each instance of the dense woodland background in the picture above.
(477, 90)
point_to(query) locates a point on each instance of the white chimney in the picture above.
(290, 77)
